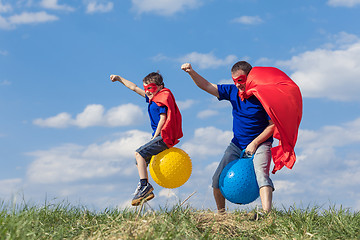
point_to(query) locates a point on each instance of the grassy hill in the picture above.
(63, 221)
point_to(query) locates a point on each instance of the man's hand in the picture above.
(251, 148)
(186, 67)
(200, 81)
(115, 78)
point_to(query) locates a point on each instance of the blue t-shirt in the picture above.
(249, 116)
(154, 113)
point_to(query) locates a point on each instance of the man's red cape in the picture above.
(172, 129)
(281, 99)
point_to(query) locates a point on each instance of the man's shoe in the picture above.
(143, 193)
(257, 216)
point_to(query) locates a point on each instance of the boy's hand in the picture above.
(115, 78)
(186, 67)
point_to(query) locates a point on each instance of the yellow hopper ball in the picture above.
(171, 168)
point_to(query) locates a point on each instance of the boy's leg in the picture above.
(144, 190)
(141, 166)
(143, 155)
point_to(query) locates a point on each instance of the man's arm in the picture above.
(160, 124)
(200, 81)
(268, 132)
(132, 86)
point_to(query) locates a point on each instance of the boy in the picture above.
(252, 127)
(165, 119)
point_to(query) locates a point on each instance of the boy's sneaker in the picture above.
(142, 193)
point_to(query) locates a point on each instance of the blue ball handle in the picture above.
(243, 154)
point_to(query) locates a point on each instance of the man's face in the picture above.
(239, 78)
(151, 89)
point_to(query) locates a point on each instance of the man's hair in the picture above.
(154, 77)
(241, 65)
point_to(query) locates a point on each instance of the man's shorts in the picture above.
(262, 160)
(154, 147)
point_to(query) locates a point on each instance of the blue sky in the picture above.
(68, 132)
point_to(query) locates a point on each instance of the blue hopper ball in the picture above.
(237, 181)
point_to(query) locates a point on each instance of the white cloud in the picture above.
(124, 115)
(323, 148)
(164, 7)
(10, 22)
(95, 115)
(327, 163)
(330, 72)
(203, 60)
(91, 116)
(53, 4)
(207, 113)
(226, 81)
(4, 24)
(343, 3)
(330, 137)
(287, 187)
(248, 20)
(31, 17)
(207, 141)
(160, 57)
(5, 83)
(95, 6)
(185, 104)
(207, 60)
(319, 148)
(71, 162)
(3, 52)
(9, 187)
(25, 18)
(167, 193)
(62, 120)
(264, 61)
(4, 8)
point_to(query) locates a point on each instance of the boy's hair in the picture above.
(154, 77)
(242, 65)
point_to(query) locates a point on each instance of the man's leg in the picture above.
(232, 153)
(219, 199)
(262, 159)
(266, 198)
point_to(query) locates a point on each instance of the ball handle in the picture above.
(244, 154)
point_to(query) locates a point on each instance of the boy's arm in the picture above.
(160, 124)
(268, 132)
(200, 81)
(132, 86)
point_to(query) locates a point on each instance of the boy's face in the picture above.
(151, 89)
(239, 78)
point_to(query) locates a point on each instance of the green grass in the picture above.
(64, 221)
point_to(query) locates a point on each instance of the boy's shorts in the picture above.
(152, 148)
(262, 159)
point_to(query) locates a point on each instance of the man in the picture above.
(252, 128)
